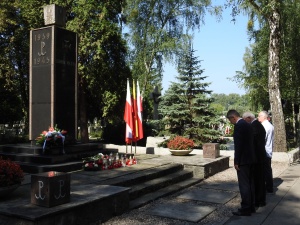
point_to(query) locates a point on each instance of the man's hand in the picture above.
(236, 167)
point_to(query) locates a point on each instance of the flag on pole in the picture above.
(139, 112)
(135, 115)
(128, 116)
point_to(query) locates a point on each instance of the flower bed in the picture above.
(105, 162)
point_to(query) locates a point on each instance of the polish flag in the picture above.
(135, 115)
(139, 112)
(128, 116)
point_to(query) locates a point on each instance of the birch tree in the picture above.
(268, 11)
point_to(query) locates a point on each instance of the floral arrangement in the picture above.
(52, 137)
(10, 173)
(181, 143)
(104, 162)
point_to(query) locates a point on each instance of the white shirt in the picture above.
(269, 137)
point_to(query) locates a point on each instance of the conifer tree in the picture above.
(185, 107)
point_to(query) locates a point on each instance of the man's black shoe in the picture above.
(262, 204)
(239, 213)
(253, 210)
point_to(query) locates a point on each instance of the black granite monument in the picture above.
(53, 75)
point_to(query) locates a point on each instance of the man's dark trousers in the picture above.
(246, 186)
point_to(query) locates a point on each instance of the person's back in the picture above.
(258, 169)
(243, 143)
(244, 158)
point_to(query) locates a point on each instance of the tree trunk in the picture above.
(84, 134)
(274, 92)
(294, 123)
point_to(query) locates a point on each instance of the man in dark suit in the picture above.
(244, 158)
(259, 147)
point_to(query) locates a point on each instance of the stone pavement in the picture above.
(283, 206)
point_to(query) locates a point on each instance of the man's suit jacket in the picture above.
(243, 143)
(259, 140)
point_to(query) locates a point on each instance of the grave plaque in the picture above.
(50, 188)
(53, 81)
(211, 150)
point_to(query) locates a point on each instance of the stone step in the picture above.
(48, 159)
(32, 159)
(147, 198)
(143, 175)
(35, 149)
(92, 201)
(59, 167)
(152, 185)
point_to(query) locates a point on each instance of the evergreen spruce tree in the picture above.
(185, 106)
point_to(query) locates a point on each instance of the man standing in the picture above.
(244, 158)
(259, 147)
(269, 140)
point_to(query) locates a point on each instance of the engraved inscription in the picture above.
(57, 196)
(60, 195)
(39, 196)
(41, 57)
(49, 16)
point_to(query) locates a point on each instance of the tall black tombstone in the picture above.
(53, 75)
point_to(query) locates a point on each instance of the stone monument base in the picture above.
(211, 150)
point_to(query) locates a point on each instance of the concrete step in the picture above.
(59, 167)
(152, 182)
(92, 201)
(152, 185)
(143, 175)
(147, 198)
(32, 159)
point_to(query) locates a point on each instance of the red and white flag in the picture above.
(139, 112)
(128, 116)
(135, 115)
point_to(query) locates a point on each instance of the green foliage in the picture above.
(231, 101)
(185, 107)
(14, 48)
(102, 68)
(102, 65)
(11, 106)
(156, 33)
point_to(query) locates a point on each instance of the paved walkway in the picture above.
(283, 206)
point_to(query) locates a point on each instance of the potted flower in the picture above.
(11, 176)
(180, 145)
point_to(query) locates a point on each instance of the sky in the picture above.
(221, 46)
